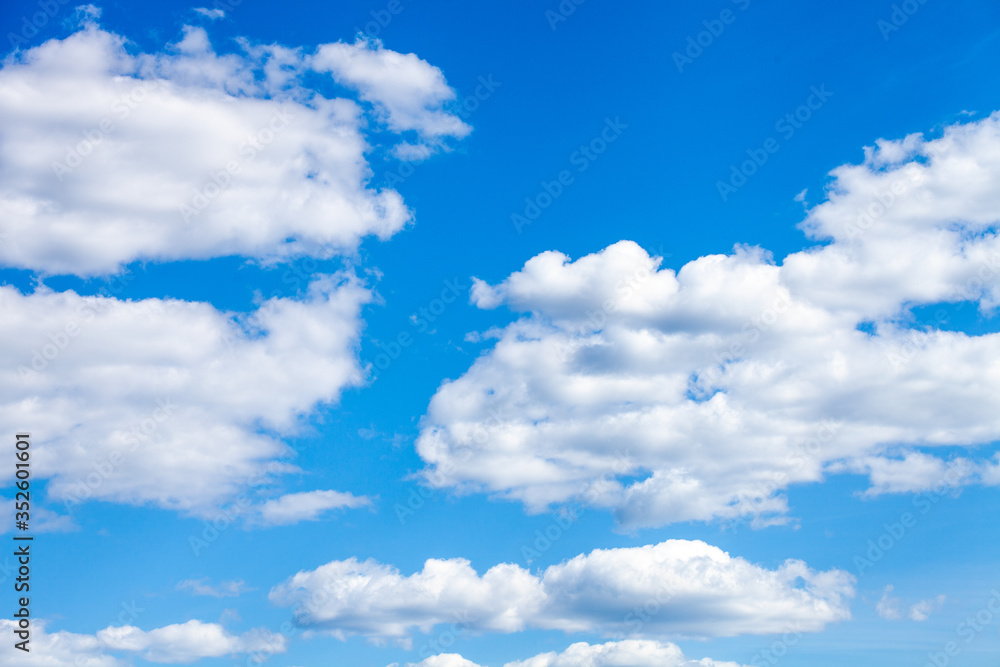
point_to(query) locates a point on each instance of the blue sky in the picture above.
(483, 265)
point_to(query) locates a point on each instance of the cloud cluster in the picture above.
(627, 653)
(173, 644)
(108, 157)
(170, 402)
(732, 378)
(888, 607)
(677, 587)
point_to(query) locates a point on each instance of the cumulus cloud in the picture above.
(680, 587)
(108, 157)
(169, 402)
(308, 506)
(627, 653)
(173, 644)
(735, 376)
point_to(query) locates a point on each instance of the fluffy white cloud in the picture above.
(187, 642)
(108, 157)
(724, 382)
(179, 643)
(308, 506)
(627, 653)
(679, 587)
(170, 402)
(408, 92)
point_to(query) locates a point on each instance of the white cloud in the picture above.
(888, 606)
(108, 157)
(409, 93)
(914, 471)
(689, 588)
(921, 611)
(627, 653)
(169, 402)
(211, 14)
(179, 643)
(187, 642)
(308, 506)
(734, 377)
(224, 589)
